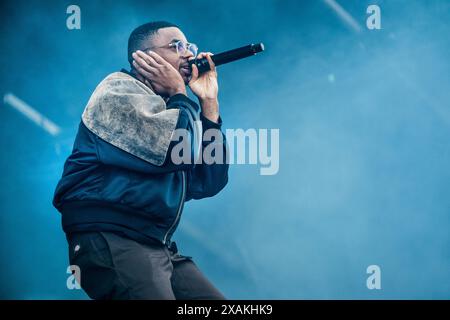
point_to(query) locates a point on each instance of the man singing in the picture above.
(122, 193)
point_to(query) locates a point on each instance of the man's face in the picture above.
(159, 43)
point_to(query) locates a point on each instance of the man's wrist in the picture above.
(179, 90)
(210, 109)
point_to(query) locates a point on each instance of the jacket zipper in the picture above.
(180, 207)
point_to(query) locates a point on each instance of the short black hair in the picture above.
(141, 33)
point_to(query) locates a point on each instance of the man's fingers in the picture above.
(139, 64)
(204, 54)
(143, 64)
(194, 75)
(207, 55)
(147, 58)
(211, 63)
(200, 55)
(157, 58)
(142, 71)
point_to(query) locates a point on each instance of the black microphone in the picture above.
(227, 56)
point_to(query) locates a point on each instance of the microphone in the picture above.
(227, 56)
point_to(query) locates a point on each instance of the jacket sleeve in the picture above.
(111, 155)
(206, 180)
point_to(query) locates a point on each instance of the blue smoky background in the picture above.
(364, 163)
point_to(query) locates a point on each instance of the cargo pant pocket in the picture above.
(91, 253)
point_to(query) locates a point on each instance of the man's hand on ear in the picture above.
(163, 78)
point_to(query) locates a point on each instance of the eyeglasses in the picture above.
(180, 46)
